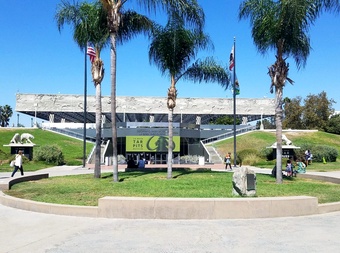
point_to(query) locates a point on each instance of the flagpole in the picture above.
(85, 105)
(234, 101)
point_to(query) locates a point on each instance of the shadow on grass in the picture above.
(134, 173)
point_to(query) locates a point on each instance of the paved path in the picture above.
(24, 231)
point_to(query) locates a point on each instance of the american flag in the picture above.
(92, 53)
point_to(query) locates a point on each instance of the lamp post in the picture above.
(124, 107)
(261, 126)
(181, 108)
(35, 114)
(18, 120)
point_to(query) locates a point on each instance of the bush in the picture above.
(318, 152)
(248, 156)
(267, 153)
(50, 154)
(322, 151)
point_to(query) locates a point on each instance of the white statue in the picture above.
(26, 137)
(286, 140)
(16, 139)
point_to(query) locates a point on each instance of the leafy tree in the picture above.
(188, 9)
(6, 113)
(224, 120)
(317, 110)
(283, 26)
(333, 126)
(267, 124)
(89, 26)
(172, 50)
(293, 112)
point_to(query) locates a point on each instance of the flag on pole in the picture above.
(231, 59)
(237, 87)
(92, 53)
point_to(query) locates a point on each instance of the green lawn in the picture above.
(72, 148)
(85, 190)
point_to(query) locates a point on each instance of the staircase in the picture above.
(214, 157)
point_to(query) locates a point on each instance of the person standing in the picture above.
(227, 160)
(18, 164)
(307, 157)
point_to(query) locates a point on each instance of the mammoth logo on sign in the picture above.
(151, 143)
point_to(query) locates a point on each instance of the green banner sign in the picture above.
(151, 143)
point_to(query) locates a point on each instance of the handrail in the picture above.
(227, 135)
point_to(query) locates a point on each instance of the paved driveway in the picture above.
(24, 231)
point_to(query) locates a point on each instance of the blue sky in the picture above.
(36, 58)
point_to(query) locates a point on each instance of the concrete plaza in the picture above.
(25, 231)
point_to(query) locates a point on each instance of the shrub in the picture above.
(267, 153)
(50, 154)
(251, 159)
(318, 152)
(245, 154)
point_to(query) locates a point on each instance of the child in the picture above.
(289, 168)
(227, 160)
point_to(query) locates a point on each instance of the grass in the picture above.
(85, 190)
(72, 148)
(259, 140)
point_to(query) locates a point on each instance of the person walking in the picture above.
(18, 164)
(227, 160)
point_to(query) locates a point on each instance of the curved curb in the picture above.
(179, 208)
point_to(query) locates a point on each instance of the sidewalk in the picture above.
(24, 231)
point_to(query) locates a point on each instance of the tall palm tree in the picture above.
(173, 49)
(283, 26)
(89, 26)
(6, 113)
(188, 9)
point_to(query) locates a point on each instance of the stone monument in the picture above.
(244, 182)
(287, 147)
(22, 142)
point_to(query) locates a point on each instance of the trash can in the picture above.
(201, 160)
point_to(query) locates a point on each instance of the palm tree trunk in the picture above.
(113, 105)
(278, 121)
(170, 143)
(97, 168)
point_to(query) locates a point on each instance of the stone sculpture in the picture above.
(16, 139)
(26, 138)
(21, 139)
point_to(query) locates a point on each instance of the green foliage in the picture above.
(329, 153)
(85, 190)
(248, 157)
(314, 114)
(334, 125)
(50, 154)
(317, 110)
(266, 124)
(224, 120)
(6, 113)
(318, 152)
(72, 148)
(267, 153)
(293, 114)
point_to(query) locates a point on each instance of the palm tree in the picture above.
(173, 49)
(283, 26)
(6, 113)
(187, 8)
(89, 26)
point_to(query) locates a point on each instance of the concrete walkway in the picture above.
(24, 231)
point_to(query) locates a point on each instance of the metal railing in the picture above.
(229, 134)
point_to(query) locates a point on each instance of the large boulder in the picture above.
(244, 182)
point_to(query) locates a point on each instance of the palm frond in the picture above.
(207, 70)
